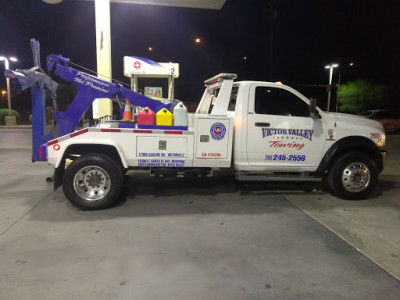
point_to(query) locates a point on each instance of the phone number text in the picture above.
(285, 157)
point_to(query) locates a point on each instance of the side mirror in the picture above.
(313, 108)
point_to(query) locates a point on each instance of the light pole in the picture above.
(330, 67)
(7, 66)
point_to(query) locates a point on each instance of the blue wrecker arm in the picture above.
(89, 89)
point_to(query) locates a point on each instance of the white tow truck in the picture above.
(261, 131)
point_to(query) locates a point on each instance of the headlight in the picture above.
(382, 141)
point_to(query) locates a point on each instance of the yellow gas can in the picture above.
(164, 118)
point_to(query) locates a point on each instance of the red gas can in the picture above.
(146, 117)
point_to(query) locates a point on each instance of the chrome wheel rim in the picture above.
(356, 177)
(92, 183)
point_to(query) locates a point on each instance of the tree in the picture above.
(360, 95)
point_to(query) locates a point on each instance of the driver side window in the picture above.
(276, 101)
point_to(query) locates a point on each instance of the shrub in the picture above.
(362, 95)
(4, 112)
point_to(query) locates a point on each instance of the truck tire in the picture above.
(92, 182)
(352, 176)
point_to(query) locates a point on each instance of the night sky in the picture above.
(303, 35)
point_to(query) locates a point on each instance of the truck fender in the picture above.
(351, 144)
(90, 147)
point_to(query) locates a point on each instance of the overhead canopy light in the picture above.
(52, 1)
(205, 4)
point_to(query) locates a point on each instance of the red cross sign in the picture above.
(137, 65)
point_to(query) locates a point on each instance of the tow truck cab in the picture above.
(277, 129)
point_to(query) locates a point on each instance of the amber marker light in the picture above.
(237, 123)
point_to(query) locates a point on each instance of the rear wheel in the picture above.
(92, 182)
(353, 176)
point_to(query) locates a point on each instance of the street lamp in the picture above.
(3, 92)
(330, 67)
(7, 66)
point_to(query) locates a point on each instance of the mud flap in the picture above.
(58, 176)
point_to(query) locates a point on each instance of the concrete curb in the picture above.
(16, 127)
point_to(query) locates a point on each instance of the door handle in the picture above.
(261, 124)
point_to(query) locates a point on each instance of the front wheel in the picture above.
(353, 176)
(92, 182)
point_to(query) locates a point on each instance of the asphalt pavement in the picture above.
(185, 239)
(371, 225)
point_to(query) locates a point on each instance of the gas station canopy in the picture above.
(205, 4)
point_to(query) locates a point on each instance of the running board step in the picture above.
(242, 176)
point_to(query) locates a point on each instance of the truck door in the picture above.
(281, 136)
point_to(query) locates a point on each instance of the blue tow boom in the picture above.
(89, 88)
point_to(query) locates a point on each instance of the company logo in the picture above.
(218, 131)
(137, 65)
(298, 133)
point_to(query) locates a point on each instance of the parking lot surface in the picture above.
(180, 239)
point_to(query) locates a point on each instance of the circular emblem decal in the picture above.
(218, 131)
